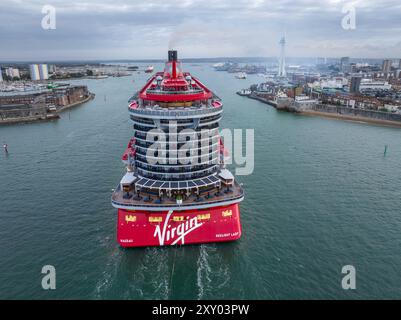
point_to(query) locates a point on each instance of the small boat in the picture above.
(241, 75)
(244, 92)
(149, 69)
(218, 65)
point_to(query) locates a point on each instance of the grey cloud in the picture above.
(102, 29)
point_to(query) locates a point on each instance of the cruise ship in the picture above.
(176, 189)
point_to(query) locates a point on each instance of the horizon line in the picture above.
(20, 61)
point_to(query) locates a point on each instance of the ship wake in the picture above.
(154, 273)
(212, 274)
(108, 275)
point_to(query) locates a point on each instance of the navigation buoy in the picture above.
(385, 149)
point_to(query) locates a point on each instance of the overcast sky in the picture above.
(141, 29)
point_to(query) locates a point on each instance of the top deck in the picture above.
(187, 88)
(174, 85)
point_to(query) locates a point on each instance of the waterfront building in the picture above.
(44, 74)
(344, 60)
(386, 67)
(52, 68)
(355, 84)
(34, 72)
(332, 83)
(16, 73)
(12, 73)
(303, 102)
(369, 84)
(1, 75)
(392, 108)
(344, 64)
(38, 72)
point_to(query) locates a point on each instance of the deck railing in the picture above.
(188, 112)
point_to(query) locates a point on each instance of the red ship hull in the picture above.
(140, 228)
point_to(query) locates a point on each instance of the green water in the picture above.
(322, 196)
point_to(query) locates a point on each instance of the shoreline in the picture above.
(11, 121)
(90, 97)
(49, 117)
(350, 118)
(330, 115)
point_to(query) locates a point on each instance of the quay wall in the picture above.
(262, 99)
(371, 114)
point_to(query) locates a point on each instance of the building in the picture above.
(38, 72)
(344, 60)
(304, 102)
(355, 84)
(386, 67)
(330, 83)
(349, 68)
(392, 108)
(344, 63)
(369, 84)
(44, 74)
(52, 68)
(16, 73)
(12, 73)
(1, 75)
(34, 72)
(399, 64)
(352, 101)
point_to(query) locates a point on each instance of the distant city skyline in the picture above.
(98, 30)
